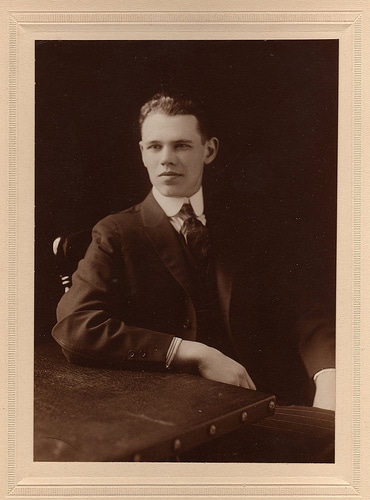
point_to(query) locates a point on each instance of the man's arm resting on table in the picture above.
(211, 364)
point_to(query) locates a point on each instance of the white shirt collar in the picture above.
(171, 206)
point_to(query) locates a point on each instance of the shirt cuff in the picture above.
(172, 350)
(325, 389)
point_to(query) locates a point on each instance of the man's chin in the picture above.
(177, 190)
(172, 191)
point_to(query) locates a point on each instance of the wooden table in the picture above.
(94, 414)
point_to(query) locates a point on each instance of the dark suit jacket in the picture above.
(131, 295)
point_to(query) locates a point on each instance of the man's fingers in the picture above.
(251, 383)
(247, 382)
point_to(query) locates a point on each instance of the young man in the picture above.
(162, 286)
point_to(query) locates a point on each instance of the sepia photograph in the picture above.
(185, 196)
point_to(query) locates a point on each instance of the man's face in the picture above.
(174, 153)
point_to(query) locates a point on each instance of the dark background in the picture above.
(274, 107)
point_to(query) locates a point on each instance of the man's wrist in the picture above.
(189, 354)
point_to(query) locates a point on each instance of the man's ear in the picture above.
(211, 150)
(141, 146)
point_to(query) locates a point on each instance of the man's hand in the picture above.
(211, 364)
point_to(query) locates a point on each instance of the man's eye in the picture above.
(181, 145)
(154, 147)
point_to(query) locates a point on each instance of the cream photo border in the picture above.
(23, 22)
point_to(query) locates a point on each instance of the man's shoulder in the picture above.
(127, 217)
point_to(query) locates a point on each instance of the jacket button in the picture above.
(186, 323)
(142, 354)
(131, 354)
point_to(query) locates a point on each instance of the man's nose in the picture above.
(168, 156)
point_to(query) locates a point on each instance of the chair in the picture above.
(68, 251)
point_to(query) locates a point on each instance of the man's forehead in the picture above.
(159, 125)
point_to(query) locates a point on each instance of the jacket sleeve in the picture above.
(89, 329)
(316, 332)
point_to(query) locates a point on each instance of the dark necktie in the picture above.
(195, 234)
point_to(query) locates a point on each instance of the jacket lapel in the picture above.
(164, 240)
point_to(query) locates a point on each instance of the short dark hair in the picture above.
(172, 105)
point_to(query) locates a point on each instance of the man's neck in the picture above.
(172, 205)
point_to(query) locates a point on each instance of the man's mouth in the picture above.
(170, 174)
